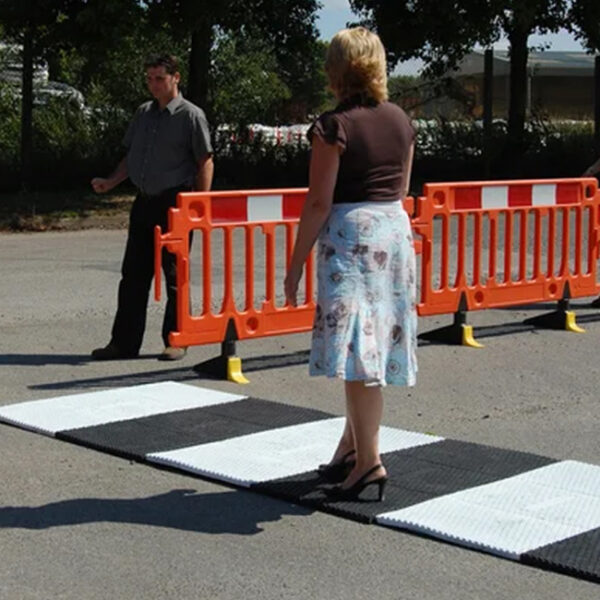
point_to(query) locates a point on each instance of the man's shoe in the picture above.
(111, 352)
(172, 353)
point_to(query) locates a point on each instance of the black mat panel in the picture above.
(416, 475)
(159, 433)
(578, 556)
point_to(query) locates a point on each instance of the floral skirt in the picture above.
(365, 326)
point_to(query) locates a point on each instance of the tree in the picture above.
(285, 27)
(31, 24)
(441, 33)
(111, 39)
(249, 90)
(47, 28)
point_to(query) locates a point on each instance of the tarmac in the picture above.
(76, 523)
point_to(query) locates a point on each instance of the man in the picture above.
(168, 151)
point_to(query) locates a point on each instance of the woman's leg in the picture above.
(364, 409)
(346, 443)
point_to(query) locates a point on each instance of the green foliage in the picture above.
(409, 31)
(400, 87)
(10, 124)
(454, 150)
(246, 86)
(243, 163)
(70, 145)
(285, 29)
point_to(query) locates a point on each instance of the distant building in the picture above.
(560, 84)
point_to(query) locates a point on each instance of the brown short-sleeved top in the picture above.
(375, 141)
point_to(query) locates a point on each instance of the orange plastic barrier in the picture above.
(227, 211)
(560, 261)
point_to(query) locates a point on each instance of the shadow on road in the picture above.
(237, 512)
(125, 379)
(541, 306)
(40, 360)
(180, 374)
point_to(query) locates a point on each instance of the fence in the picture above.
(471, 257)
(228, 212)
(557, 262)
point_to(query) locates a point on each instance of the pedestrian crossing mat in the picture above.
(517, 505)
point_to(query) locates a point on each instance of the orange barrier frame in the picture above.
(551, 280)
(510, 200)
(228, 211)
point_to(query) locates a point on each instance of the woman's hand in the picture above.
(290, 285)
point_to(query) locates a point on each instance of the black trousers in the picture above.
(137, 272)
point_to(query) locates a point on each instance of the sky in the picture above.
(335, 14)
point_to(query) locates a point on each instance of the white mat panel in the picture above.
(514, 515)
(276, 453)
(109, 406)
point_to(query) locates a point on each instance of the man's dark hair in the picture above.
(168, 61)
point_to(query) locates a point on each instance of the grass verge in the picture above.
(70, 210)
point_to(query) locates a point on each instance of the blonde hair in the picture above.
(355, 64)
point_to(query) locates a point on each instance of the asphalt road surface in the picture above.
(79, 524)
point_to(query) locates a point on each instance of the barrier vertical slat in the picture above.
(228, 300)
(445, 252)
(206, 273)
(537, 246)
(578, 232)
(426, 230)
(270, 265)
(289, 245)
(182, 307)
(591, 251)
(477, 226)
(523, 231)
(249, 245)
(493, 246)
(551, 238)
(566, 230)
(508, 244)
(462, 244)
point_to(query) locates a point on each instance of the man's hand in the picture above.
(101, 185)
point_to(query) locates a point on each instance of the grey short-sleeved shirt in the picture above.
(164, 146)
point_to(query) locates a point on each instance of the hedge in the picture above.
(71, 146)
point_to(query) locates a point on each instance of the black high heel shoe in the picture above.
(354, 491)
(338, 471)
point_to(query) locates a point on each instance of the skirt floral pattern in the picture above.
(365, 326)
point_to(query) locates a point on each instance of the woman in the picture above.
(365, 323)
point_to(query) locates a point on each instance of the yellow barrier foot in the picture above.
(570, 324)
(468, 339)
(459, 334)
(234, 370)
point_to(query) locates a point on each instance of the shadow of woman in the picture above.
(237, 511)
